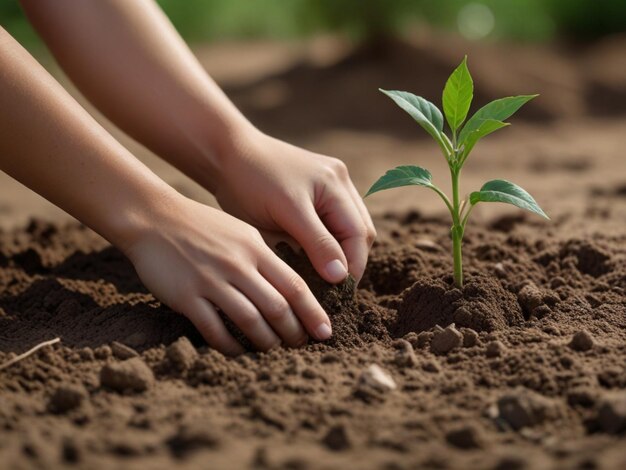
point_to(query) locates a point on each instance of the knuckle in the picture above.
(277, 309)
(297, 288)
(339, 167)
(248, 320)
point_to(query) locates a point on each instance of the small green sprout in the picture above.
(457, 97)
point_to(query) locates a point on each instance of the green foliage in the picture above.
(407, 175)
(457, 98)
(507, 192)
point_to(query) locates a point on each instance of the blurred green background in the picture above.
(521, 20)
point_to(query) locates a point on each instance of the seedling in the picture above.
(457, 98)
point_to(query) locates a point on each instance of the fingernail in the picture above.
(323, 332)
(336, 270)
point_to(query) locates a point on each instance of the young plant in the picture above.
(457, 97)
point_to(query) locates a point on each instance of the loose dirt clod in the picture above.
(611, 416)
(191, 437)
(582, 341)
(525, 408)
(470, 337)
(466, 437)
(121, 351)
(66, 397)
(131, 375)
(181, 353)
(445, 341)
(337, 438)
(495, 349)
(405, 355)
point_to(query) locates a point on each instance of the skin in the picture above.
(129, 61)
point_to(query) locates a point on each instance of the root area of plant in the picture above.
(522, 368)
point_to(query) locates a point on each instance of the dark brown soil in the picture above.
(523, 368)
(532, 374)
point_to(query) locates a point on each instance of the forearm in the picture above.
(127, 58)
(52, 145)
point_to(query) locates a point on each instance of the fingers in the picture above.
(370, 231)
(247, 317)
(275, 309)
(344, 219)
(295, 291)
(322, 248)
(205, 318)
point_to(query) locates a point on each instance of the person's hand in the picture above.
(278, 187)
(195, 258)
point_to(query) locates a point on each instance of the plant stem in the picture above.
(457, 229)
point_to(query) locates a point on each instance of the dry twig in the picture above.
(29, 352)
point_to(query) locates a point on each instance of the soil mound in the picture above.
(482, 305)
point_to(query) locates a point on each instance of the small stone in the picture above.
(103, 352)
(495, 349)
(131, 375)
(466, 437)
(337, 438)
(500, 270)
(581, 341)
(446, 340)
(121, 351)
(181, 353)
(525, 408)
(66, 398)
(612, 412)
(377, 378)
(427, 244)
(470, 337)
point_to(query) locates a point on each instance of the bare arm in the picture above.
(126, 57)
(52, 145)
(191, 257)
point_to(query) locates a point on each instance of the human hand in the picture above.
(195, 258)
(278, 187)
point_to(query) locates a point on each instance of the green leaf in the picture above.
(486, 127)
(498, 110)
(423, 111)
(507, 192)
(457, 95)
(407, 175)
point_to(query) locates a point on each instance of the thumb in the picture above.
(322, 248)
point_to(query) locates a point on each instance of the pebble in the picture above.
(377, 378)
(581, 341)
(495, 349)
(121, 351)
(181, 353)
(446, 340)
(525, 408)
(66, 397)
(337, 438)
(612, 412)
(132, 375)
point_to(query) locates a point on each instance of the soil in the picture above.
(523, 368)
